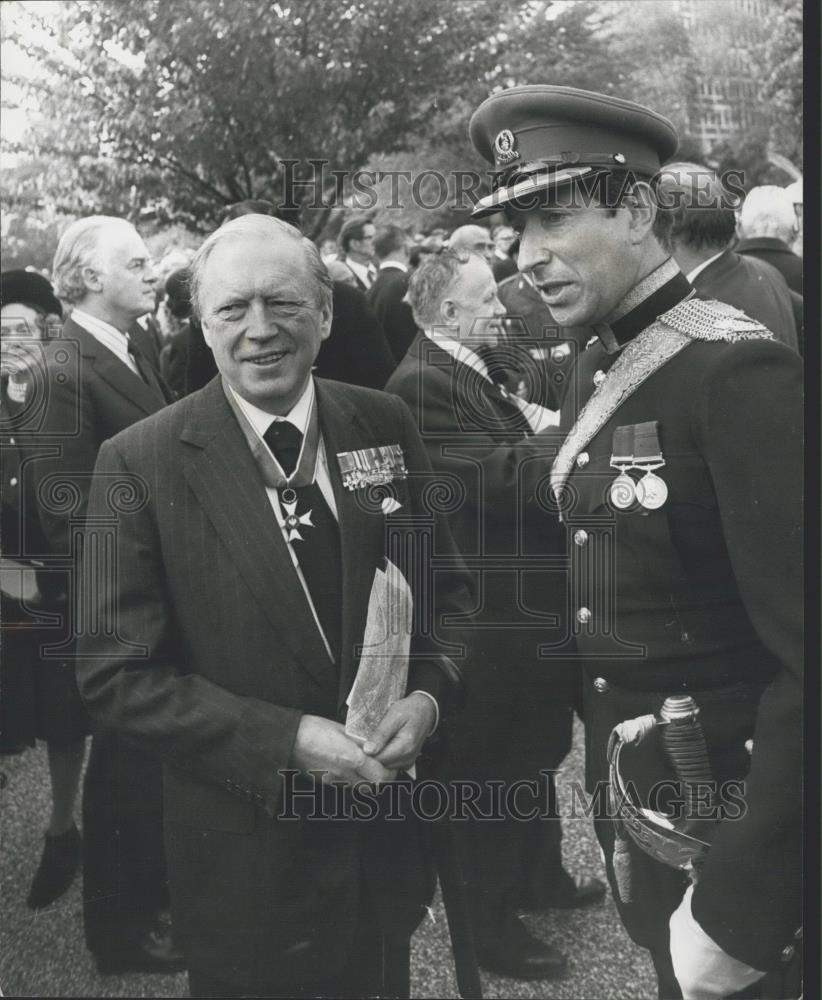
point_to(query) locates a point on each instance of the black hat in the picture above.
(539, 137)
(28, 288)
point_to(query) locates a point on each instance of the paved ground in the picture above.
(43, 955)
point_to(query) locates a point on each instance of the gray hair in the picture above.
(768, 211)
(265, 227)
(428, 286)
(77, 250)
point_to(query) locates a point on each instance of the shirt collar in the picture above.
(655, 294)
(261, 421)
(92, 324)
(459, 352)
(394, 263)
(701, 267)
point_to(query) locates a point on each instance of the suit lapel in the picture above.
(114, 372)
(361, 530)
(227, 483)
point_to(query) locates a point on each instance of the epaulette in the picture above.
(707, 319)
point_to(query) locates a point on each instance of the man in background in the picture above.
(357, 246)
(387, 294)
(767, 227)
(473, 239)
(503, 264)
(702, 227)
(101, 381)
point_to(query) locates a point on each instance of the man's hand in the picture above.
(321, 745)
(396, 741)
(704, 971)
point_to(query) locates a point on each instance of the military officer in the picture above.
(679, 494)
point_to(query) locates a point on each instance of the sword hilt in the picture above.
(684, 742)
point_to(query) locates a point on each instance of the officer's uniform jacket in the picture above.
(703, 594)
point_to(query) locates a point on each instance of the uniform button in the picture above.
(788, 952)
(584, 616)
(599, 377)
(582, 459)
(12, 441)
(13, 481)
(600, 685)
(580, 537)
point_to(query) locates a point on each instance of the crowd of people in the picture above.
(211, 465)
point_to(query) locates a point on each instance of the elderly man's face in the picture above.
(477, 312)
(582, 258)
(261, 318)
(126, 273)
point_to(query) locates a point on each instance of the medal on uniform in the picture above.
(372, 466)
(293, 520)
(622, 492)
(651, 490)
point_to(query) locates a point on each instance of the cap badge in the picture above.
(505, 146)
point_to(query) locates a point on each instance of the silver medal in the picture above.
(622, 492)
(651, 491)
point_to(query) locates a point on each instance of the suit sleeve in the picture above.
(750, 423)
(431, 670)
(521, 469)
(131, 677)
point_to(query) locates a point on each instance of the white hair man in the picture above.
(767, 228)
(101, 380)
(256, 565)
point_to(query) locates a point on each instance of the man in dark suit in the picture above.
(767, 227)
(357, 245)
(518, 719)
(503, 264)
(699, 237)
(678, 480)
(387, 294)
(99, 383)
(267, 502)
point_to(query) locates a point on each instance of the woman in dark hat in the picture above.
(38, 696)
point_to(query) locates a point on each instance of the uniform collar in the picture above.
(655, 294)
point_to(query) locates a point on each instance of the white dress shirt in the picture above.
(109, 336)
(365, 272)
(701, 267)
(538, 417)
(298, 416)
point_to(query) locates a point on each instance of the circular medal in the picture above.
(651, 491)
(288, 495)
(622, 492)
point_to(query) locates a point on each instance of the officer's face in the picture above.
(583, 259)
(261, 318)
(472, 308)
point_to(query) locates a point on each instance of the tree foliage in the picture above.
(201, 103)
(165, 111)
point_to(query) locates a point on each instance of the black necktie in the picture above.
(146, 371)
(318, 544)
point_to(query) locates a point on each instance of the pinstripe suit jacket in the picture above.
(215, 657)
